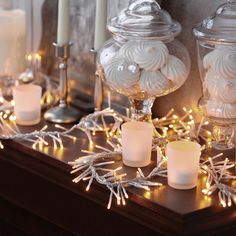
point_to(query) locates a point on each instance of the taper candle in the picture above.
(100, 24)
(182, 164)
(136, 143)
(63, 25)
(12, 41)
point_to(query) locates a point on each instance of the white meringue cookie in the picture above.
(219, 88)
(222, 61)
(106, 55)
(228, 94)
(127, 50)
(209, 59)
(210, 83)
(221, 110)
(121, 74)
(230, 47)
(225, 63)
(150, 56)
(175, 70)
(154, 83)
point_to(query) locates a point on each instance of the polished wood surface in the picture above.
(165, 211)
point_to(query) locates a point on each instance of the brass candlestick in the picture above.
(63, 113)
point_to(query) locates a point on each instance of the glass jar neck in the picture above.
(119, 39)
(122, 39)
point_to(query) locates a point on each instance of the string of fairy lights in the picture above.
(94, 165)
(217, 173)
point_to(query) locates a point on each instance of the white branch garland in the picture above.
(88, 125)
(217, 175)
(93, 167)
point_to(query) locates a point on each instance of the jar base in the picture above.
(136, 164)
(223, 135)
(182, 186)
(222, 146)
(27, 122)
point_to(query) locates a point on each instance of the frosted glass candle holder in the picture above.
(27, 107)
(137, 143)
(183, 164)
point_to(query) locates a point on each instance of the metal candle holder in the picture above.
(98, 87)
(63, 113)
(98, 94)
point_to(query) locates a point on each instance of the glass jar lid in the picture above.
(219, 27)
(144, 18)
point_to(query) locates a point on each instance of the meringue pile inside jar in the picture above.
(144, 68)
(216, 43)
(220, 82)
(216, 40)
(143, 60)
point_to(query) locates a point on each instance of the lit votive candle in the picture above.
(183, 164)
(136, 143)
(27, 107)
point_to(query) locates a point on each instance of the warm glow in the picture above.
(29, 57)
(13, 103)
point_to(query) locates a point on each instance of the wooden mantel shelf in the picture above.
(37, 197)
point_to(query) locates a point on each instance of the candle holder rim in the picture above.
(69, 44)
(93, 50)
(174, 145)
(145, 125)
(21, 87)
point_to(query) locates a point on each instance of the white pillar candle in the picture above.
(100, 24)
(183, 164)
(27, 107)
(136, 143)
(12, 42)
(63, 24)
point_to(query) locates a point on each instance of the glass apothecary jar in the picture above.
(143, 60)
(216, 47)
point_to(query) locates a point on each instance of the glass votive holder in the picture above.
(182, 164)
(27, 107)
(136, 143)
